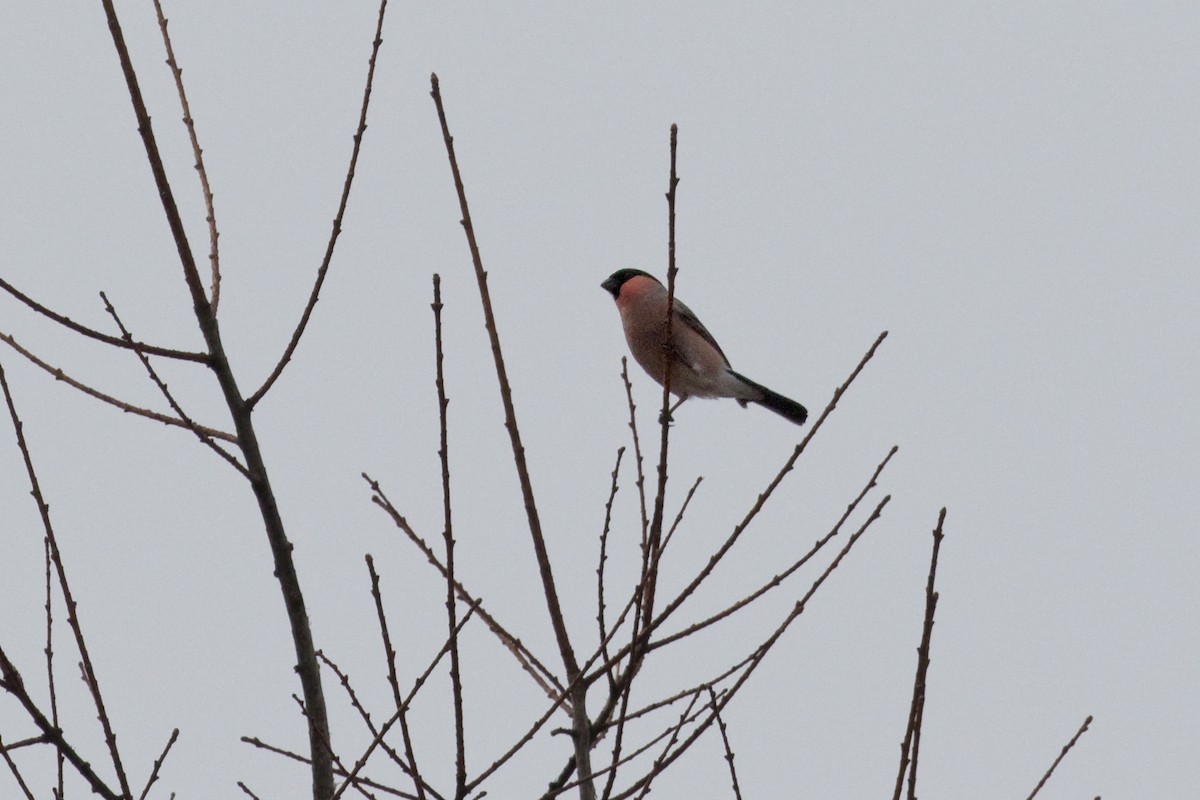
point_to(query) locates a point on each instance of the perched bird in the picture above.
(698, 367)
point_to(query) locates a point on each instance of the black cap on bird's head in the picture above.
(618, 278)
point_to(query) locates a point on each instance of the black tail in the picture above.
(783, 406)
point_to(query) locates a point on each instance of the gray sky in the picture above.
(1011, 190)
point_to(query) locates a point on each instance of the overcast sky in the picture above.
(1010, 189)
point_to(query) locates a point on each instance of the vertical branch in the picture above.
(401, 714)
(460, 761)
(656, 523)
(58, 756)
(581, 727)
(600, 607)
(712, 699)
(637, 449)
(214, 257)
(910, 747)
(85, 659)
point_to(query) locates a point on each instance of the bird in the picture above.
(698, 366)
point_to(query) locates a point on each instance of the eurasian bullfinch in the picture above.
(698, 367)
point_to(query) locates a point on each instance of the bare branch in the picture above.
(1066, 749)
(12, 682)
(541, 675)
(737, 792)
(910, 747)
(612, 493)
(165, 352)
(14, 769)
(581, 725)
(214, 257)
(650, 558)
(158, 762)
(781, 577)
(86, 666)
(166, 393)
(460, 753)
(112, 401)
(390, 656)
(637, 448)
(51, 683)
(337, 220)
(279, 751)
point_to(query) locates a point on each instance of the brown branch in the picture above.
(251, 794)
(737, 792)
(51, 683)
(659, 763)
(1066, 749)
(191, 425)
(279, 751)
(390, 656)
(910, 747)
(612, 493)
(214, 257)
(637, 448)
(88, 669)
(158, 762)
(759, 654)
(409, 767)
(460, 753)
(402, 710)
(579, 699)
(541, 675)
(337, 220)
(650, 579)
(165, 352)
(12, 682)
(14, 769)
(783, 576)
(112, 401)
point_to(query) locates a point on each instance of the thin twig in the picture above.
(51, 683)
(659, 762)
(460, 753)
(165, 352)
(14, 769)
(365, 715)
(390, 655)
(158, 762)
(910, 747)
(581, 725)
(251, 794)
(650, 580)
(129, 408)
(712, 695)
(541, 675)
(402, 710)
(191, 425)
(12, 682)
(637, 448)
(1066, 749)
(612, 493)
(778, 580)
(289, 754)
(337, 220)
(757, 657)
(89, 672)
(214, 257)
